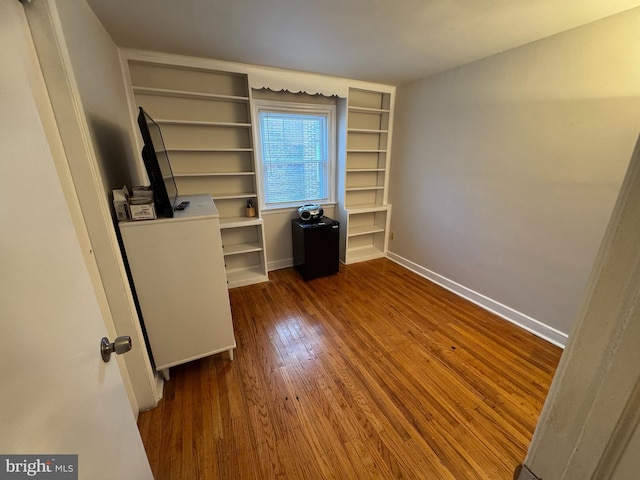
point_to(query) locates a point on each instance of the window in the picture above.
(296, 151)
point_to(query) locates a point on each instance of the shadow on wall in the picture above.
(113, 151)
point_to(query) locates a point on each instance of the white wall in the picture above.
(505, 171)
(98, 73)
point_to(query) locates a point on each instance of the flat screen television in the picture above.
(156, 162)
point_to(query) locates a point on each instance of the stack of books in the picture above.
(135, 205)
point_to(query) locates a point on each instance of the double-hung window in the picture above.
(296, 153)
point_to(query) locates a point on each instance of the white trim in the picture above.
(275, 211)
(523, 473)
(329, 111)
(138, 171)
(279, 264)
(529, 324)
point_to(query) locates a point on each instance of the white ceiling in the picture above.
(387, 41)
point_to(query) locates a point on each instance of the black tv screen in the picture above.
(156, 162)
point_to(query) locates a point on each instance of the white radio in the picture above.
(310, 212)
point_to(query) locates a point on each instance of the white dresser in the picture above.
(178, 272)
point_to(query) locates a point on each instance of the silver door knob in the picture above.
(119, 346)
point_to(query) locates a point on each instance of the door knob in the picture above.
(119, 346)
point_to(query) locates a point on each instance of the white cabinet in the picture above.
(179, 277)
(365, 147)
(243, 248)
(205, 118)
(366, 233)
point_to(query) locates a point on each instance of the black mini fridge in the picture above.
(316, 247)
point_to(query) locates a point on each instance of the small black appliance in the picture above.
(316, 247)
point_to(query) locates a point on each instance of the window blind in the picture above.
(295, 148)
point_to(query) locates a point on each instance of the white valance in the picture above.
(297, 82)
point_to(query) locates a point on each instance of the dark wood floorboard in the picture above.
(371, 373)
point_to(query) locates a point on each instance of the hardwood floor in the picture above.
(371, 373)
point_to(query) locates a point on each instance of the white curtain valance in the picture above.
(296, 82)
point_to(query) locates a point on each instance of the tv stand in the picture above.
(179, 277)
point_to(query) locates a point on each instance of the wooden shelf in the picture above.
(214, 174)
(241, 248)
(212, 150)
(362, 170)
(364, 253)
(364, 208)
(246, 276)
(368, 110)
(231, 196)
(199, 123)
(238, 222)
(365, 151)
(165, 92)
(355, 231)
(366, 130)
(372, 187)
(371, 207)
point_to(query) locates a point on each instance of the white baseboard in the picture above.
(278, 264)
(532, 325)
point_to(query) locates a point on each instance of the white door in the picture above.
(57, 396)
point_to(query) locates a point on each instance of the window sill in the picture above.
(264, 211)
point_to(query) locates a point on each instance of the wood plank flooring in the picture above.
(371, 373)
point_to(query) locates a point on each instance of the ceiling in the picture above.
(386, 41)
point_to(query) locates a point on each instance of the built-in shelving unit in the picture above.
(205, 119)
(243, 248)
(364, 175)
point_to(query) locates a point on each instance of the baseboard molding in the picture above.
(278, 264)
(532, 325)
(522, 472)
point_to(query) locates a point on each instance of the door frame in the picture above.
(593, 406)
(75, 157)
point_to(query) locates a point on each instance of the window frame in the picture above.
(295, 108)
